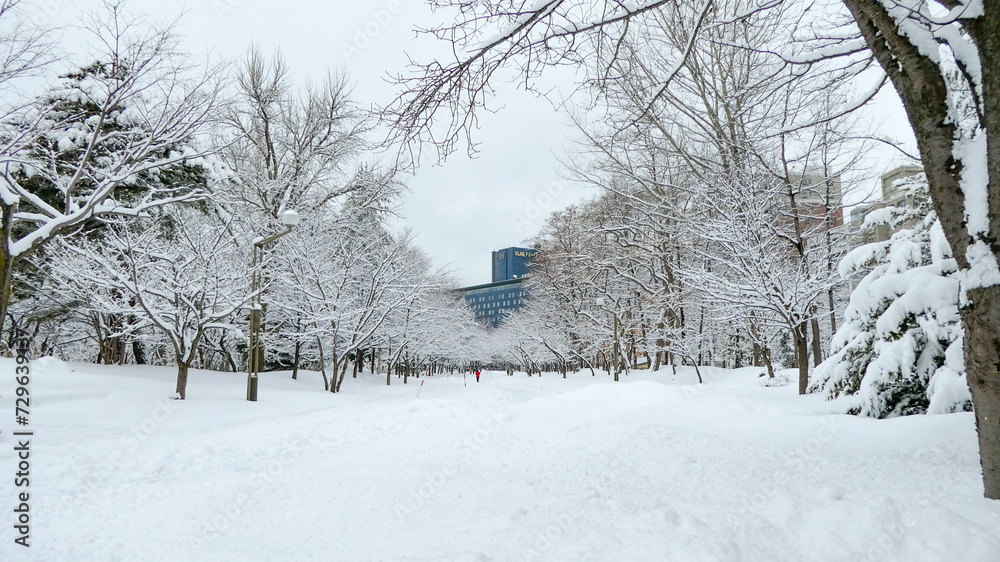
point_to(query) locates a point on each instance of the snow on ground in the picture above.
(512, 468)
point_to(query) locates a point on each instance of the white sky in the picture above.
(460, 211)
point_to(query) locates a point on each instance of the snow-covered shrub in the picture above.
(781, 378)
(900, 348)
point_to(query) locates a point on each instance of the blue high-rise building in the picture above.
(511, 263)
(492, 302)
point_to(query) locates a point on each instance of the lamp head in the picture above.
(290, 218)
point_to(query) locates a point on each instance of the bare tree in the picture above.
(288, 149)
(178, 272)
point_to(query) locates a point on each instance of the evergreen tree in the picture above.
(900, 348)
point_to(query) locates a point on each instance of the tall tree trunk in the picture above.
(322, 364)
(833, 312)
(982, 358)
(817, 344)
(982, 317)
(737, 352)
(182, 379)
(295, 361)
(615, 348)
(140, 356)
(660, 344)
(228, 355)
(766, 356)
(95, 323)
(6, 260)
(343, 373)
(800, 341)
(334, 371)
(112, 345)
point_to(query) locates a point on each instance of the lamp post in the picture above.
(256, 358)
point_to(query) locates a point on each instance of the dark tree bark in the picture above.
(182, 380)
(833, 312)
(334, 372)
(6, 260)
(982, 363)
(766, 357)
(800, 341)
(140, 356)
(817, 346)
(322, 364)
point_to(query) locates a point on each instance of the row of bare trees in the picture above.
(135, 188)
(720, 217)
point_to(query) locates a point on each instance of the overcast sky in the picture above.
(461, 210)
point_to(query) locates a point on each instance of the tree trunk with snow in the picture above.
(982, 361)
(296, 358)
(919, 81)
(800, 340)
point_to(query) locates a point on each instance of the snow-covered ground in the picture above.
(511, 468)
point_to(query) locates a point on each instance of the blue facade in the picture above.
(491, 303)
(511, 263)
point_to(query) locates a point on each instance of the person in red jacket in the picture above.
(477, 375)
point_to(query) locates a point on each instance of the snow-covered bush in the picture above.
(900, 348)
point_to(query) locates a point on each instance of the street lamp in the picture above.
(256, 358)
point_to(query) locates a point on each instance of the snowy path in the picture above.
(512, 468)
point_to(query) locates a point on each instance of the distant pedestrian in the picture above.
(477, 375)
